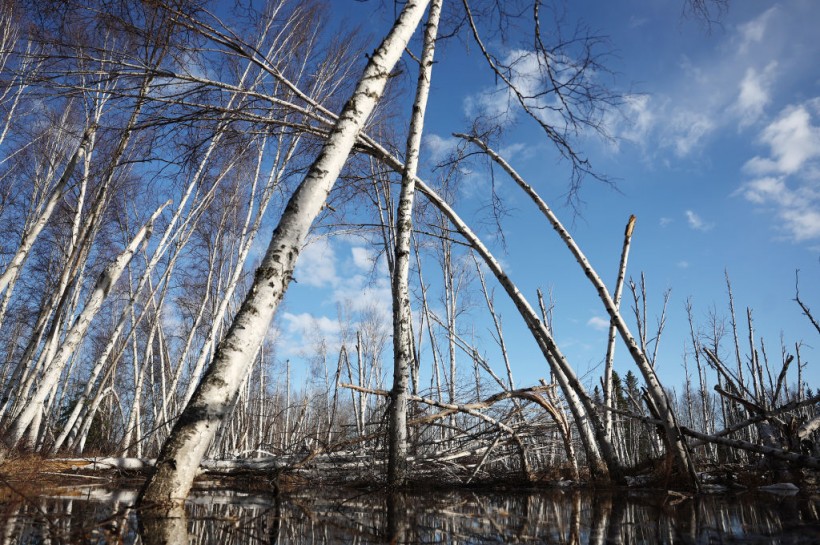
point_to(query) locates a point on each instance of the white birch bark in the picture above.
(27, 69)
(285, 437)
(178, 229)
(805, 430)
(22, 380)
(580, 405)
(610, 345)
(674, 438)
(183, 451)
(31, 234)
(425, 313)
(450, 304)
(488, 299)
(80, 409)
(564, 380)
(82, 239)
(134, 426)
(247, 238)
(402, 313)
(78, 444)
(76, 334)
(579, 402)
(360, 372)
(600, 456)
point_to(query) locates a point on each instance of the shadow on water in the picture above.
(222, 517)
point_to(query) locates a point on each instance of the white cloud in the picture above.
(529, 76)
(803, 223)
(755, 93)
(437, 147)
(353, 296)
(683, 264)
(517, 149)
(797, 210)
(598, 323)
(360, 290)
(316, 265)
(732, 88)
(634, 121)
(305, 324)
(787, 180)
(763, 190)
(473, 184)
(496, 104)
(648, 121)
(302, 334)
(752, 32)
(359, 295)
(665, 221)
(688, 128)
(637, 22)
(792, 139)
(696, 222)
(362, 258)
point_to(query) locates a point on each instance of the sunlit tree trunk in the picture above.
(182, 452)
(76, 334)
(610, 345)
(499, 332)
(83, 234)
(674, 438)
(426, 316)
(55, 305)
(34, 230)
(600, 456)
(247, 237)
(60, 304)
(402, 313)
(601, 463)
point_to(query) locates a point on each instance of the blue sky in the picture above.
(716, 150)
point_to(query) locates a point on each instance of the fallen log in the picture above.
(780, 454)
(808, 428)
(473, 409)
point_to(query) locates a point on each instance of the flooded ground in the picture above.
(97, 515)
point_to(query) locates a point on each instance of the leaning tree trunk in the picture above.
(193, 432)
(247, 237)
(600, 457)
(674, 439)
(402, 314)
(74, 336)
(31, 234)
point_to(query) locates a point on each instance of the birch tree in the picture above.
(77, 332)
(33, 231)
(610, 344)
(674, 438)
(182, 452)
(403, 352)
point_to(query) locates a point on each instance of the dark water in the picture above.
(96, 515)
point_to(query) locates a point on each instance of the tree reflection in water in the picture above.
(331, 516)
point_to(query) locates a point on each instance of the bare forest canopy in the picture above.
(148, 148)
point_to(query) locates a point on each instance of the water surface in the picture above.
(83, 514)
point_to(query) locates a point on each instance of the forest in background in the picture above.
(143, 148)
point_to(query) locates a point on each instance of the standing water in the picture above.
(577, 516)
